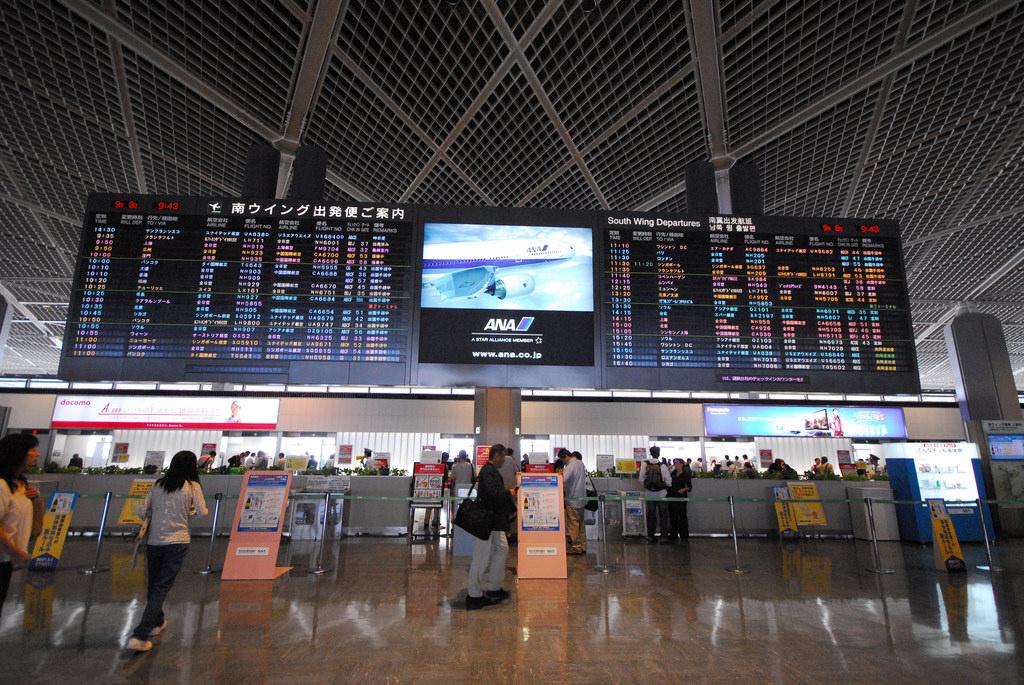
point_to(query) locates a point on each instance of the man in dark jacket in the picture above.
(681, 486)
(487, 570)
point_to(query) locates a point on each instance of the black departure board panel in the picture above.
(209, 288)
(756, 302)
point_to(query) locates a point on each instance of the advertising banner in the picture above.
(807, 513)
(808, 421)
(122, 411)
(946, 547)
(344, 455)
(482, 454)
(625, 466)
(541, 549)
(944, 470)
(605, 462)
(120, 453)
(132, 511)
(56, 522)
(765, 457)
(428, 482)
(155, 458)
(539, 468)
(494, 294)
(256, 529)
(296, 463)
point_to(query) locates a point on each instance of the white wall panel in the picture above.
(934, 423)
(29, 410)
(351, 414)
(590, 446)
(170, 441)
(800, 453)
(610, 418)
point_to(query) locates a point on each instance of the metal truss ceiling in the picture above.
(906, 110)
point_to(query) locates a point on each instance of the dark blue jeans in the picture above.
(162, 565)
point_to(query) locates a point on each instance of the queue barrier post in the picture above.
(319, 569)
(874, 540)
(209, 569)
(736, 568)
(96, 568)
(990, 567)
(602, 560)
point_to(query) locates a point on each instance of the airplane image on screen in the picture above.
(499, 268)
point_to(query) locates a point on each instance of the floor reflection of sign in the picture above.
(134, 504)
(262, 509)
(56, 522)
(541, 508)
(807, 513)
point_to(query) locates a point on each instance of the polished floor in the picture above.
(390, 612)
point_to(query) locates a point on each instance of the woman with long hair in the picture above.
(173, 499)
(18, 453)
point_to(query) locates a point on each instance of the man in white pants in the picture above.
(487, 570)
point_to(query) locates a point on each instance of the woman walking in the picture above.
(18, 453)
(173, 499)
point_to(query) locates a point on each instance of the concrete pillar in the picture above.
(985, 391)
(497, 416)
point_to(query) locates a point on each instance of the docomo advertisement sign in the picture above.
(807, 421)
(120, 411)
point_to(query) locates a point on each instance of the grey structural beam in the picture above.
(23, 310)
(897, 61)
(545, 102)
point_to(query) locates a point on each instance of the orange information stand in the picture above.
(541, 526)
(256, 529)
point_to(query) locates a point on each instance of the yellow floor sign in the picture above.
(134, 503)
(56, 522)
(948, 556)
(808, 513)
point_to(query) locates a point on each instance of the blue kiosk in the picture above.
(937, 470)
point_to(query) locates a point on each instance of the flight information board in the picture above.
(767, 302)
(182, 288)
(283, 291)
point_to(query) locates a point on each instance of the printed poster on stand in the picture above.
(56, 522)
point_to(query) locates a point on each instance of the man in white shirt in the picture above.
(655, 479)
(574, 487)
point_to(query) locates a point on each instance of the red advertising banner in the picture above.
(482, 454)
(344, 455)
(766, 458)
(539, 468)
(427, 481)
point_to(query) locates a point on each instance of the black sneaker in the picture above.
(497, 595)
(479, 602)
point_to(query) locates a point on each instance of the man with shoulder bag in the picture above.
(487, 570)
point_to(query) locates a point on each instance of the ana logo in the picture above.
(509, 324)
(535, 250)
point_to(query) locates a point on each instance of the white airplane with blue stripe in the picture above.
(499, 268)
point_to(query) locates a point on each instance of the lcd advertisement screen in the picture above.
(1009, 447)
(507, 294)
(809, 421)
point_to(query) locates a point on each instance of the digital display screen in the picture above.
(1006, 446)
(734, 302)
(198, 287)
(507, 294)
(804, 421)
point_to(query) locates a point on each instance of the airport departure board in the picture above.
(193, 287)
(283, 291)
(757, 301)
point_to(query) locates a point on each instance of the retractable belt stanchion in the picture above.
(990, 567)
(208, 569)
(319, 570)
(95, 568)
(735, 541)
(874, 540)
(602, 560)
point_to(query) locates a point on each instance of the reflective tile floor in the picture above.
(390, 612)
